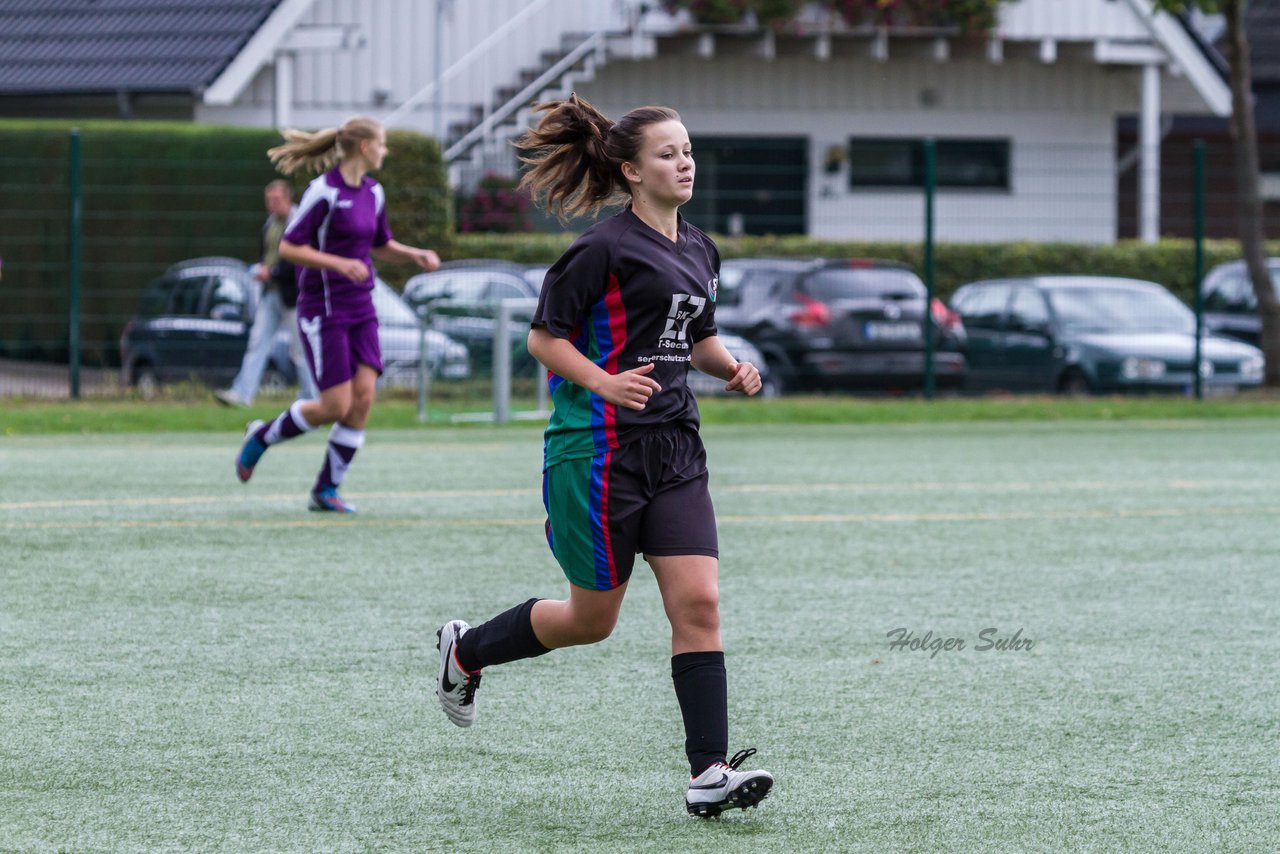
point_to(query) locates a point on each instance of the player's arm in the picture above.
(631, 389)
(710, 357)
(394, 251)
(308, 256)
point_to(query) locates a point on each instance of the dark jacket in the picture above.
(283, 274)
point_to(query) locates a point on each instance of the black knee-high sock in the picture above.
(507, 637)
(702, 688)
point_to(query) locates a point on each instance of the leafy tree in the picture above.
(1244, 142)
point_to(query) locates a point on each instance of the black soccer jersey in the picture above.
(626, 296)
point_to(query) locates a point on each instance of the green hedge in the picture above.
(1170, 262)
(154, 193)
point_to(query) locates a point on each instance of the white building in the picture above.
(816, 128)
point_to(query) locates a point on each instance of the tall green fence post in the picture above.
(930, 159)
(1197, 150)
(73, 262)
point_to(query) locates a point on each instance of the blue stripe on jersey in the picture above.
(599, 519)
(603, 334)
(546, 503)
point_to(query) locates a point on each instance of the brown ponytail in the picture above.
(317, 151)
(576, 155)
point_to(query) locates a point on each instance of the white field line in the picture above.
(792, 519)
(746, 488)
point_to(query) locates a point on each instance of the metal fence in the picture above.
(79, 253)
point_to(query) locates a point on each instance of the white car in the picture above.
(400, 335)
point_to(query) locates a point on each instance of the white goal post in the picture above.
(508, 309)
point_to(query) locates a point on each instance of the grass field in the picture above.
(189, 664)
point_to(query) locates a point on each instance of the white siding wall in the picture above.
(397, 58)
(1070, 20)
(1061, 128)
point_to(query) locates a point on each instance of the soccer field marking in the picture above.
(733, 519)
(996, 486)
(1009, 516)
(183, 500)
(744, 488)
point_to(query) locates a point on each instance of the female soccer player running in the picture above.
(622, 316)
(340, 224)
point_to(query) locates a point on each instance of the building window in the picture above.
(964, 163)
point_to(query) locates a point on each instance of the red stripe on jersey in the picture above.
(618, 340)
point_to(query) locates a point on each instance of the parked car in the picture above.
(461, 300)
(531, 273)
(1230, 305)
(1082, 334)
(193, 323)
(852, 323)
(401, 338)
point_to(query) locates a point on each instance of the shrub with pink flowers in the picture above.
(970, 16)
(495, 206)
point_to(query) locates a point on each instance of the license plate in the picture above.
(879, 330)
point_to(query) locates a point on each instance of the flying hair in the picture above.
(575, 155)
(317, 151)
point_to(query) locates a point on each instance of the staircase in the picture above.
(481, 144)
(559, 73)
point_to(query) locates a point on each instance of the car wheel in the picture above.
(775, 385)
(146, 382)
(273, 381)
(1074, 383)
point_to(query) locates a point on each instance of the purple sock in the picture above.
(286, 425)
(343, 443)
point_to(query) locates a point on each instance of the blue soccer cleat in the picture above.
(327, 499)
(250, 452)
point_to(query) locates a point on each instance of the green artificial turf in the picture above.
(191, 664)
(190, 408)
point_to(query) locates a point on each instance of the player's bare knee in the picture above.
(329, 411)
(362, 402)
(594, 628)
(702, 612)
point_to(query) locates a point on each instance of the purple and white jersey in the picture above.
(340, 220)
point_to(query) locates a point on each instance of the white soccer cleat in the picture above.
(455, 687)
(723, 787)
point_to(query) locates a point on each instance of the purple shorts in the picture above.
(335, 348)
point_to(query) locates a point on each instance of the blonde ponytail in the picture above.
(318, 151)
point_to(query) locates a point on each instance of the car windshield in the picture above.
(391, 309)
(834, 283)
(1120, 309)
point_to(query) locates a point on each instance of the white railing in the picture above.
(467, 59)
(592, 44)
(494, 56)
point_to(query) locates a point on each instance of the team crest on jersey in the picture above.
(711, 287)
(684, 308)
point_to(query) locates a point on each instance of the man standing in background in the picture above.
(276, 306)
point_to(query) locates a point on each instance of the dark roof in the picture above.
(94, 46)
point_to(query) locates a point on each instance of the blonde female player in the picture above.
(339, 227)
(623, 315)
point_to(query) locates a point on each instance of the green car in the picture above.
(1091, 334)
